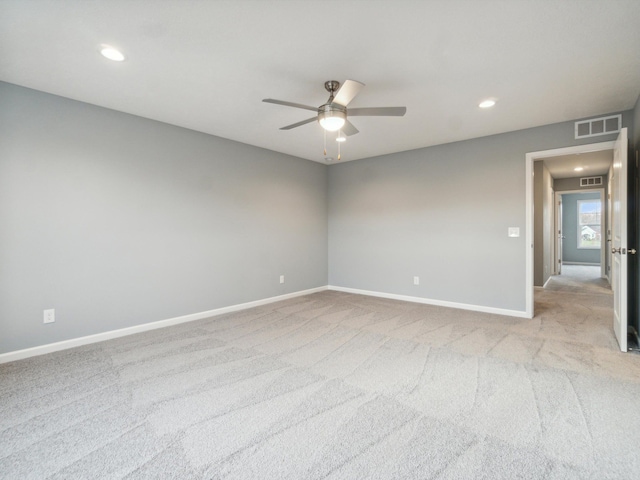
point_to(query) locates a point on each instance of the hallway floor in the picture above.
(579, 279)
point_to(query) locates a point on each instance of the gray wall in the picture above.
(542, 223)
(115, 220)
(570, 251)
(441, 213)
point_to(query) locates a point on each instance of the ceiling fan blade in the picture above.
(290, 104)
(303, 122)
(347, 92)
(377, 112)
(348, 129)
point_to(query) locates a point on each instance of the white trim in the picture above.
(101, 337)
(529, 159)
(428, 301)
(555, 240)
(528, 240)
(584, 264)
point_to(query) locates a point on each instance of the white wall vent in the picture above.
(598, 126)
(590, 181)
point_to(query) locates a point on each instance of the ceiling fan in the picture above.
(332, 115)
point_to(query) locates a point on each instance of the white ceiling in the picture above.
(206, 65)
(593, 163)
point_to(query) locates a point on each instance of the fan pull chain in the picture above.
(325, 142)
(339, 134)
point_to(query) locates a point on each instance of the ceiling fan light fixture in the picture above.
(332, 124)
(331, 118)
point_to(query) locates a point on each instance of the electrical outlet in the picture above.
(281, 278)
(416, 280)
(49, 316)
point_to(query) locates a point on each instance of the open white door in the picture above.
(619, 239)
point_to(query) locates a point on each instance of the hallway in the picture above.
(579, 279)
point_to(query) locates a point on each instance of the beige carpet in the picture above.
(340, 386)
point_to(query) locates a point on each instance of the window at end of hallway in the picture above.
(589, 223)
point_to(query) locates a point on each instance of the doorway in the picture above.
(580, 228)
(550, 156)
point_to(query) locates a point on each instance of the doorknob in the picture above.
(632, 251)
(615, 250)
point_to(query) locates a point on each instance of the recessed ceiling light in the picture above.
(578, 169)
(111, 53)
(341, 139)
(488, 103)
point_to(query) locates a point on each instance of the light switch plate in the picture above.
(514, 231)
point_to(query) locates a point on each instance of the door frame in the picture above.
(558, 236)
(604, 206)
(609, 227)
(529, 159)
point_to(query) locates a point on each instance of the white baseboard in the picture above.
(428, 301)
(100, 337)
